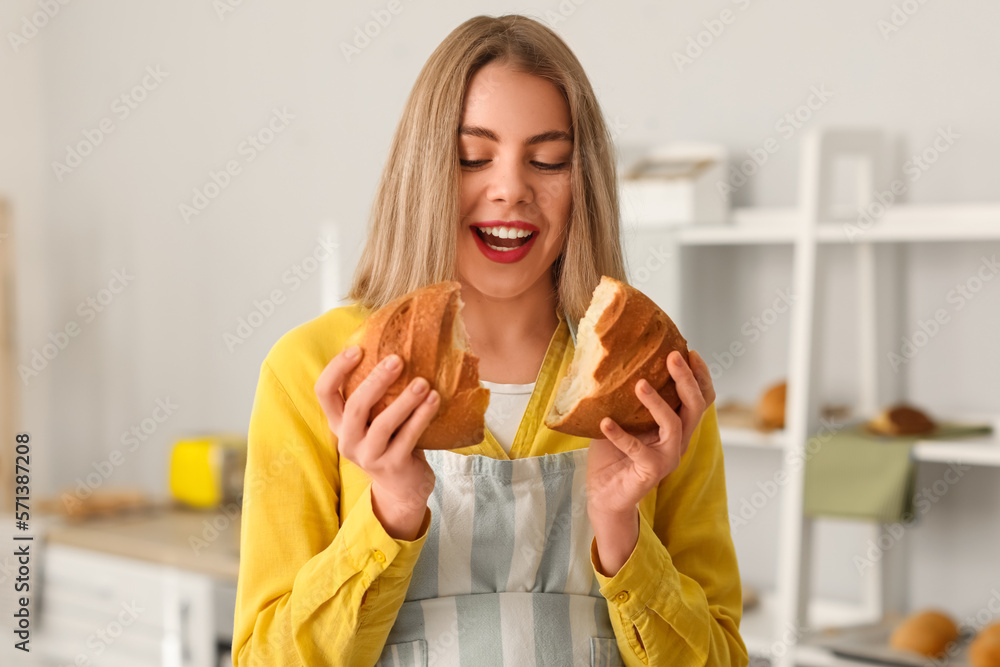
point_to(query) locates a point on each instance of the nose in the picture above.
(509, 184)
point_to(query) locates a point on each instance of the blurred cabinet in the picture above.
(134, 592)
(118, 611)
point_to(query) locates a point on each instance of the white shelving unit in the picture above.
(814, 224)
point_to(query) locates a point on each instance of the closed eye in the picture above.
(544, 166)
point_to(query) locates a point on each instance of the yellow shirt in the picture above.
(321, 582)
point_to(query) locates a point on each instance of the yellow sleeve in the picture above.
(677, 600)
(310, 591)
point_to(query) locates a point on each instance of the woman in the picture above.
(358, 548)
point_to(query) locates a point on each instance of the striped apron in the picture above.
(504, 578)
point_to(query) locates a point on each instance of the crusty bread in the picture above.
(771, 407)
(425, 328)
(902, 420)
(927, 632)
(985, 648)
(624, 336)
(991, 631)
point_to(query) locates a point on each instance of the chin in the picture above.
(500, 288)
(490, 284)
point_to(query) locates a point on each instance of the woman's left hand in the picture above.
(623, 468)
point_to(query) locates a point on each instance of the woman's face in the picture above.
(515, 146)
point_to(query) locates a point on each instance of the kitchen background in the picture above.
(169, 268)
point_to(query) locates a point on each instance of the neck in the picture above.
(499, 325)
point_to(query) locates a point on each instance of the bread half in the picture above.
(624, 336)
(425, 329)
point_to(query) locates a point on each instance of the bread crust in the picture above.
(771, 407)
(926, 632)
(901, 420)
(636, 337)
(985, 648)
(420, 328)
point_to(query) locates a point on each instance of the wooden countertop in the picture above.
(203, 541)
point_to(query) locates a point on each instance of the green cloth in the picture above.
(857, 475)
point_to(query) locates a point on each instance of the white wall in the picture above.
(161, 337)
(24, 183)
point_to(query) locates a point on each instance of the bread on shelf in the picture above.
(984, 651)
(928, 632)
(771, 407)
(901, 419)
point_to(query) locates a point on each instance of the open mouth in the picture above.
(502, 241)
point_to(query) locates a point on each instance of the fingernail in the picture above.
(419, 386)
(392, 363)
(352, 353)
(645, 387)
(610, 425)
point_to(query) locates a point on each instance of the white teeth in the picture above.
(506, 232)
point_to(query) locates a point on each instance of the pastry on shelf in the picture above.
(751, 598)
(928, 632)
(733, 414)
(835, 413)
(902, 419)
(771, 408)
(985, 648)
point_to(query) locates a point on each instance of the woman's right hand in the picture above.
(402, 480)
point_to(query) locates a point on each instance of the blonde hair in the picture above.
(413, 223)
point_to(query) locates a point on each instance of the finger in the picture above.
(358, 406)
(643, 459)
(328, 385)
(409, 434)
(703, 375)
(668, 421)
(390, 419)
(692, 400)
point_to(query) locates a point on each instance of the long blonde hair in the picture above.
(413, 223)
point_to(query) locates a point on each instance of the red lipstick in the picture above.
(504, 256)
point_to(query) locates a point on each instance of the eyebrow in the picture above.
(549, 135)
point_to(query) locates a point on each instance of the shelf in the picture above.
(798, 230)
(913, 223)
(748, 226)
(760, 631)
(978, 451)
(970, 451)
(748, 437)
(901, 223)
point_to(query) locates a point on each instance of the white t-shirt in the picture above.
(506, 409)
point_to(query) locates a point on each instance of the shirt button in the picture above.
(622, 597)
(379, 556)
